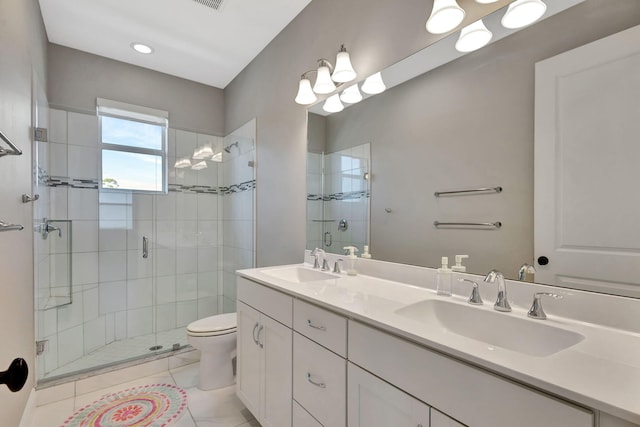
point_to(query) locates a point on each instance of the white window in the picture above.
(133, 147)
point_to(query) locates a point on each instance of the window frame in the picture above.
(133, 113)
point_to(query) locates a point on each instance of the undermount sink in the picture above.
(523, 335)
(299, 274)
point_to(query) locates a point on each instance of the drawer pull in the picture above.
(311, 325)
(259, 331)
(254, 334)
(317, 384)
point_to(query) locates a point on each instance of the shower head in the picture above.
(229, 147)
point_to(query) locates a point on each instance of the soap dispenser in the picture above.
(351, 260)
(443, 279)
(459, 268)
(365, 252)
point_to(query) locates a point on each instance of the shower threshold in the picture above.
(117, 355)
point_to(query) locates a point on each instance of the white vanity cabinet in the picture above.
(375, 403)
(264, 348)
(438, 419)
(319, 364)
(473, 396)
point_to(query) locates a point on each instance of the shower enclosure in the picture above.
(119, 274)
(338, 193)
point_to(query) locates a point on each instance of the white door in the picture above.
(587, 166)
(249, 358)
(374, 403)
(277, 352)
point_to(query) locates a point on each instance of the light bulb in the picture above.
(351, 95)
(324, 84)
(333, 104)
(473, 37)
(521, 13)
(374, 84)
(305, 94)
(201, 153)
(445, 16)
(182, 163)
(199, 166)
(344, 71)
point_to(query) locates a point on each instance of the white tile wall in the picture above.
(119, 294)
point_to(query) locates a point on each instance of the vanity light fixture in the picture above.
(344, 71)
(182, 163)
(333, 104)
(217, 157)
(199, 166)
(473, 37)
(141, 48)
(351, 95)
(521, 13)
(445, 16)
(326, 78)
(374, 85)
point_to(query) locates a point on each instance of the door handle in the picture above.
(259, 331)
(311, 325)
(329, 241)
(145, 247)
(253, 334)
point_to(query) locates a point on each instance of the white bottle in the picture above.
(365, 252)
(443, 279)
(351, 260)
(459, 268)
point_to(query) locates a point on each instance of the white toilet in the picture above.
(215, 337)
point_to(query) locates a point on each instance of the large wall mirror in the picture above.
(468, 122)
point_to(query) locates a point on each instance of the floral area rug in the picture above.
(155, 405)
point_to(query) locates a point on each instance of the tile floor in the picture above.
(215, 408)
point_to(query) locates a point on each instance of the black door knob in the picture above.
(543, 260)
(16, 375)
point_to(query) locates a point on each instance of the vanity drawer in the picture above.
(473, 396)
(301, 418)
(320, 382)
(274, 304)
(322, 326)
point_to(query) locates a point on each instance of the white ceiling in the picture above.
(190, 40)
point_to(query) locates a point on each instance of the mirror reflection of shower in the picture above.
(230, 146)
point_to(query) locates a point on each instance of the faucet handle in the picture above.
(336, 266)
(474, 298)
(536, 311)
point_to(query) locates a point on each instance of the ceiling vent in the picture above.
(213, 4)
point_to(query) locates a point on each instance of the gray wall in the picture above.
(468, 123)
(76, 78)
(22, 50)
(378, 33)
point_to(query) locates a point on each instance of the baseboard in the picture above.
(27, 414)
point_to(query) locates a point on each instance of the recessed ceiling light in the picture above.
(141, 48)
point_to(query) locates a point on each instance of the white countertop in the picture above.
(601, 372)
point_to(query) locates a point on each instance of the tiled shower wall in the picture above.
(338, 188)
(239, 208)
(116, 293)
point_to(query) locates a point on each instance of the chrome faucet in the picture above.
(316, 262)
(474, 298)
(536, 311)
(46, 227)
(336, 266)
(316, 257)
(502, 303)
(524, 270)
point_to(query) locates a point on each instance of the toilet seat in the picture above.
(221, 324)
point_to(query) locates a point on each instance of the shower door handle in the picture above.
(145, 247)
(328, 238)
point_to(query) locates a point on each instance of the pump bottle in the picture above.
(351, 260)
(443, 279)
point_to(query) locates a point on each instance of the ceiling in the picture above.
(190, 40)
